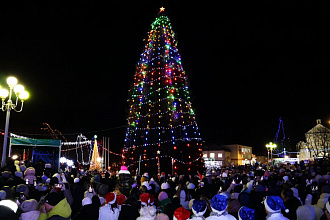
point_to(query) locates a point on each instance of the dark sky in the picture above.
(248, 63)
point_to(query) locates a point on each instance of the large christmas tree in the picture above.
(162, 126)
(95, 161)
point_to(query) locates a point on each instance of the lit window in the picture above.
(205, 155)
(219, 154)
(212, 155)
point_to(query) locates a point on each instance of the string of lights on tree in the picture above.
(161, 117)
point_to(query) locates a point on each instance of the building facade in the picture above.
(240, 154)
(317, 143)
(222, 156)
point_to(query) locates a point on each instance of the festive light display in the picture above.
(280, 151)
(161, 117)
(95, 162)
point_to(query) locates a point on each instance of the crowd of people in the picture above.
(283, 191)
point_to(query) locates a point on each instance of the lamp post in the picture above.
(21, 94)
(271, 146)
(158, 162)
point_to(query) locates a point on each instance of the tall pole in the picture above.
(271, 154)
(20, 94)
(108, 147)
(271, 146)
(268, 156)
(140, 164)
(4, 147)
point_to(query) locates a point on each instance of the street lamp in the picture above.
(158, 161)
(21, 94)
(271, 146)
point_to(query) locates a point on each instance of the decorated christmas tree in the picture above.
(95, 161)
(162, 133)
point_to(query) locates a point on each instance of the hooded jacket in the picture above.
(61, 211)
(31, 215)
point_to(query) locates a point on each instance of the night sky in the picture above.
(248, 62)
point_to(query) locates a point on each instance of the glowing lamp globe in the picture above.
(11, 81)
(69, 163)
(18, 89)
(3, 93)
(24, 95)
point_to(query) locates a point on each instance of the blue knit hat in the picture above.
(274, 204)
(219, 203)
(246, 213)
(199, 207)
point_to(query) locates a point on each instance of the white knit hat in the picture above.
(165, 186)
(146, 184)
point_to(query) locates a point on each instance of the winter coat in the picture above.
(147, 213)
(61, 211)
(224, 216)
(183, 202)
(32, 215)
(193, 217)
(125, 183)
(163, 203)
(128, 212)
(233, 204)
(30, 175)
(106, 213)
(318, 212)
(77, 192)
(322, 200)
(276, 216)
(292, 204)
(88, 212)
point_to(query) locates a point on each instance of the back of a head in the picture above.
(8, 210)
(287, 192)
(326, 189)
(305, 212)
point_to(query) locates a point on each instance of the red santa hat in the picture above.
(110, 198)
(121, 199)
(147, 199)
(152, 199)
(181, 214)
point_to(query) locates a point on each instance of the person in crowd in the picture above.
(219, 205)
(290, 202)
(130, 208)
(181, 214)
(29, 208)
(162, 216)
(125, 181)
(183, 195)
(246, 213)
(163, 200)
(30, 175)
(110, 209)
(305, 212)
(56, 207)
(148, 210)
(88, 211)
(273, 206)
(326, 215)
(304, 189)
(3, 195)
(199, 208)
(8, 210)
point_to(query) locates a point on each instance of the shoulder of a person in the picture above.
(58, 217)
